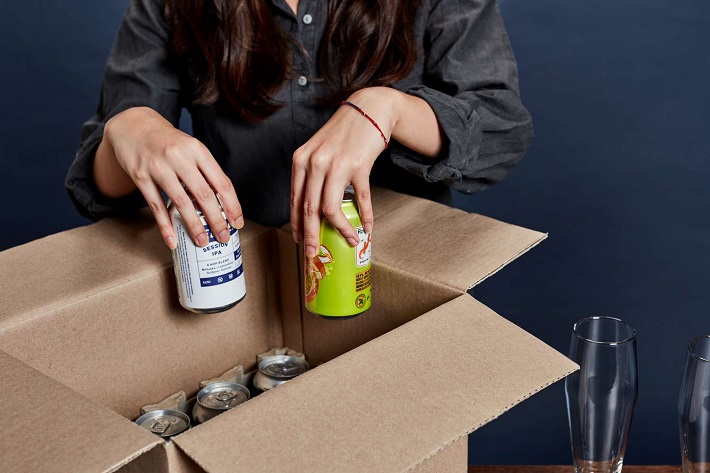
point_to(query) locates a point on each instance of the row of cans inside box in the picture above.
(221, 396)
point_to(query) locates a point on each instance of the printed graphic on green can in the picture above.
(337, 280)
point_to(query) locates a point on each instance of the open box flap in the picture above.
(461, 249)
(75, 264)
(48, 427)
(388, 405)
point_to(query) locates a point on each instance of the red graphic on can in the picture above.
(315, 269)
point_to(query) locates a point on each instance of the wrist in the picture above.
(387, 99)
(114, 125)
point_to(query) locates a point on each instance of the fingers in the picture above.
(312, 210)
(361, 184)
(298, 182)
(317, 186)
(162, 217)
(197, 186)
(172, 187)
(332, 208)
(208, 204)
(222, 185)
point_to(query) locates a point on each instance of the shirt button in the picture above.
(302, 81)
(307, 19)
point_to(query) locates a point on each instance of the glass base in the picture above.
(695, 467)
(583, 466)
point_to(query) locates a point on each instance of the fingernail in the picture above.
(310, 251)
(296, 237)
(224, 236)
(171, 242)
(240, 222)
(202, 239)
(352, 241)
(368, 227)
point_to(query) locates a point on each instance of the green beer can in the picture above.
(337, 280)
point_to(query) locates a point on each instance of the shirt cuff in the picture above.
(460, 140)
(83, 191)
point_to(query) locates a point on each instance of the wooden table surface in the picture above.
(568, 469)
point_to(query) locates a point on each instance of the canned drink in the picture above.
(337, 280)
(216, 398)
(210, 279)
(275, 370)
(164, 422)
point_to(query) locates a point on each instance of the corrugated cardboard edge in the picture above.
(453, 459)
(510, 260)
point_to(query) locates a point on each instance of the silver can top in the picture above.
(164, 422)
(222, 396)
(283, 366)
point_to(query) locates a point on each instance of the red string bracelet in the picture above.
(362, 112)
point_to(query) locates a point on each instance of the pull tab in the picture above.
(160, 426)
(226, 396)
(289, 368)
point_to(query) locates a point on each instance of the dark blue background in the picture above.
(617, 175)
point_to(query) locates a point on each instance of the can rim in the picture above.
(268, 361)
(164, 412)
(220, 384)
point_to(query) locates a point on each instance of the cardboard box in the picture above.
(90, 330)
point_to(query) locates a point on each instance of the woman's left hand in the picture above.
(342, 152)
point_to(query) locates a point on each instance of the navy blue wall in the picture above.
(617, 176)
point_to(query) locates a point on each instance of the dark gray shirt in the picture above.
(465, 71)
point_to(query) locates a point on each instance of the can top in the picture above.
(222, 396)
(164, 422)
(283, 366)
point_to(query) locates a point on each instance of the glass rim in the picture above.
(692, 343)
(601, 317)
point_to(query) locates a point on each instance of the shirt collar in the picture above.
(283, 7)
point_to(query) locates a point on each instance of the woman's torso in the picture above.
(257, 156)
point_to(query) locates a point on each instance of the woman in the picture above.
(293, 100)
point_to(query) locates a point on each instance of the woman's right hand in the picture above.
(141, 149)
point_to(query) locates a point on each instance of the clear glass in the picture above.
(602, 394)
(694, 408)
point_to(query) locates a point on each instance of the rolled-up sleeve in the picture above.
(138, 73)
(471, 84)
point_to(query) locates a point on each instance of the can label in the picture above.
(337, 281)
(363, 251)
(209, 277)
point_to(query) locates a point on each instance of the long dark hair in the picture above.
(237, 54)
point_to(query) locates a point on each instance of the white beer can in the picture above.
(210, 279)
